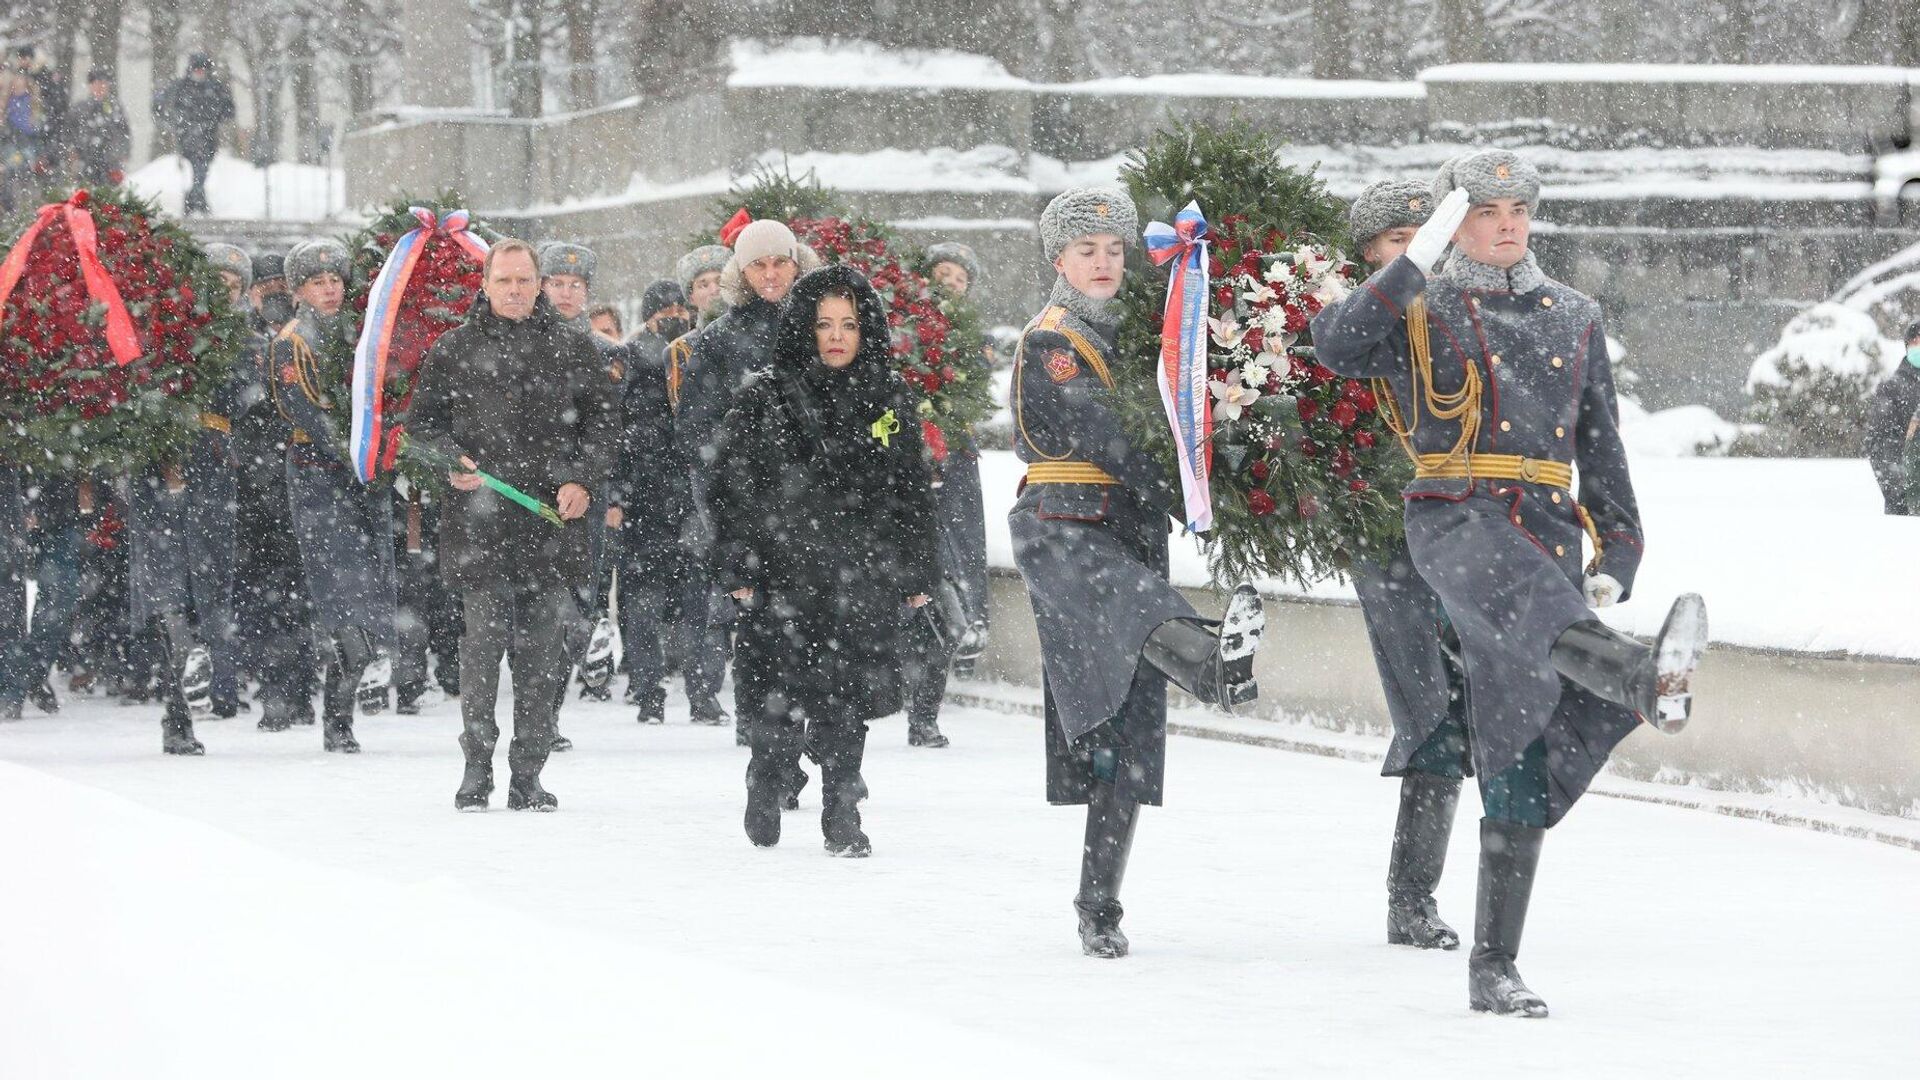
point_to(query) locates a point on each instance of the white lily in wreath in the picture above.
(1232, 397)
(1226, 331)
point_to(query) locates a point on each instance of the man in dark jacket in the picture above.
(521, 394)
(195, 105)
(100, 136)
(1893, 418)
(662, 590)
(767, 260)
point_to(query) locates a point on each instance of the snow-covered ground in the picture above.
(1790, 554)
(270, 910)
(237, 189)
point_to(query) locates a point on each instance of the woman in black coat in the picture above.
(825, 531)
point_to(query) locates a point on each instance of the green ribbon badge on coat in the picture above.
(885, 428)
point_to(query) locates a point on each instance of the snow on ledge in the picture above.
(1728, 74)
(813, 62)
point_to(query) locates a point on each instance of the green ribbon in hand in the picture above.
(885, 428)
(440, 462)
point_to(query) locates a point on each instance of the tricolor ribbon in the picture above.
(121, 337)
(373, 356)
(1183, 354)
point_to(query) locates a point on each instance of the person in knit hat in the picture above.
(1090, 538)
(953, 266)
(707, 376)
(1506, 393)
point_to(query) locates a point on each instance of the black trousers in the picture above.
(526, 623)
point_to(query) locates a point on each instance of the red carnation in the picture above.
(1363, 439)
(1259, 470)
(1307, 408)
(1260, 503)
(1343, 462)
(1357, 486)
(1308, 448)
(1345, 414)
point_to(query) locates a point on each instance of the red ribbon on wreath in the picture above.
(731, 230)
(121, 337)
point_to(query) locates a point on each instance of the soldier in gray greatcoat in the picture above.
(1090, 538)
(344, 528)
(1501, 380)
(567, 282)
(181, 560)
(1424, 687)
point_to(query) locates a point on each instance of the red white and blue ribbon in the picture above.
(1183, 354)
(372, 357)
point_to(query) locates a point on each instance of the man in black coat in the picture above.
(195, 105)
(661, 588)
(521, 394)
(767, 260)
(1891, 425)
(98, 128)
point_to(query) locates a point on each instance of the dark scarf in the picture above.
(837, 409)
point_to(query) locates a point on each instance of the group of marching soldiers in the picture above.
(1483, 629)
(1520, 521)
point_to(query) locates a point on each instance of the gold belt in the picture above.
(1494, 467)
(216, 422)
(1067, 472)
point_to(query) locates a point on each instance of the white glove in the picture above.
(1602, 590)
(1431, 241)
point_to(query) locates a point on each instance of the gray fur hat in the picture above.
(700, 260)
(561, 257)
(1488, 175)
(956, 253)
(233, 261)
(1087, 211)
(311, 258)
(1388, 204)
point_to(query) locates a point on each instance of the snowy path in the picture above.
(1667, 941)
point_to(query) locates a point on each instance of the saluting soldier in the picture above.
(344, 528)
(1090, 538)
(1424, 686)
(1501, 383)
(180, 566)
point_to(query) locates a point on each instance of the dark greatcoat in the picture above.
(831, 525)
(344, 528)
(530, 402)
(1504, 556)
(1094, 557)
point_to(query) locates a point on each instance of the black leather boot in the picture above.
(525, 758)
(176, 727)
(336, 715)
(841, 789)
(1213, 662)
(1427, 804)
(1654, 680)
(1103, 865)
(352, 653)
(476, 783)
(1509, 855)
(189, 664)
